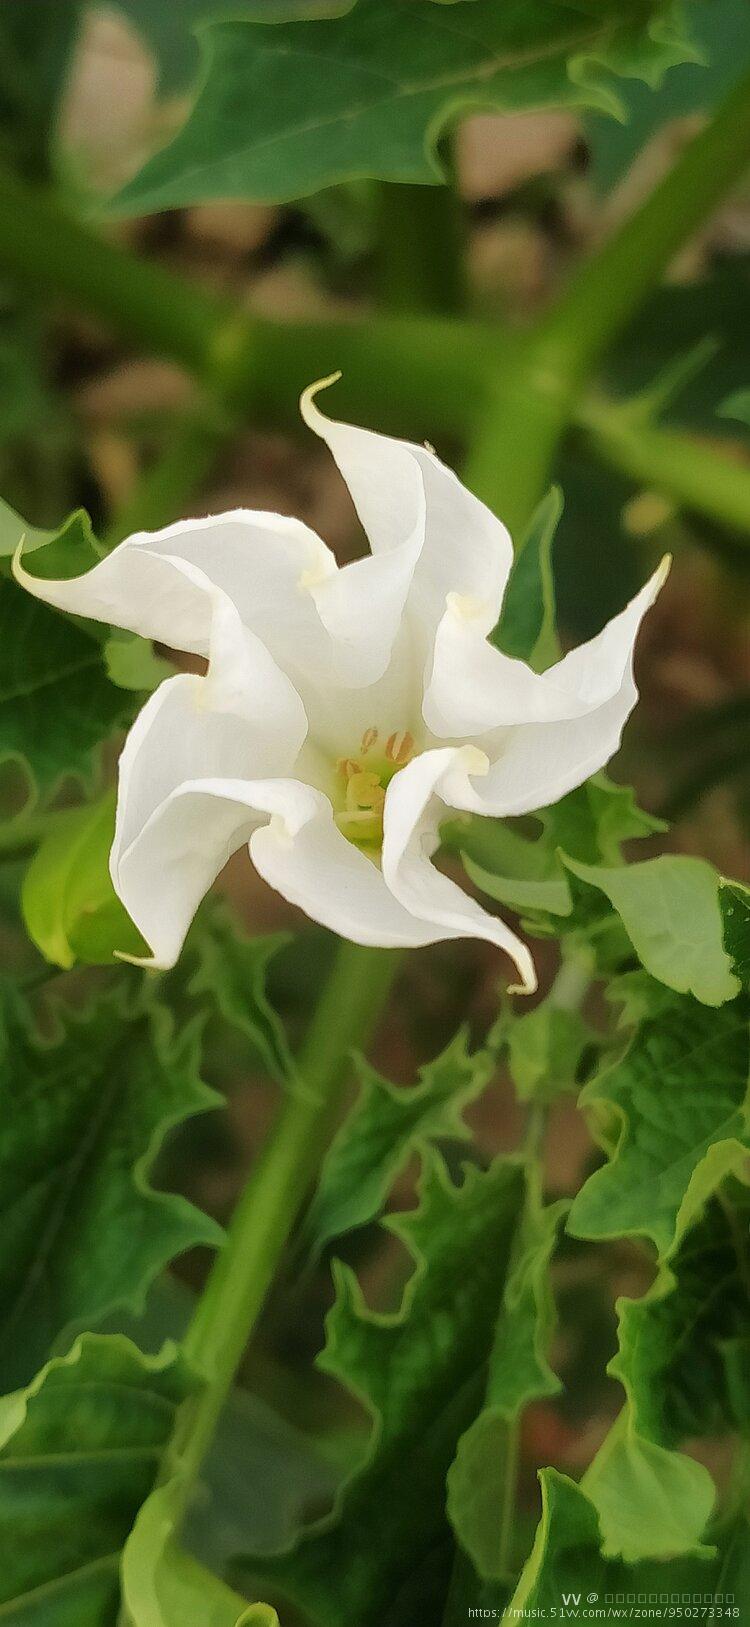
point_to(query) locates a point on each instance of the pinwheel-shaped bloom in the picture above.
(344, 711)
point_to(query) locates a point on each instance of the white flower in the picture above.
(343, 710)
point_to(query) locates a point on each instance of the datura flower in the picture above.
(343, 711)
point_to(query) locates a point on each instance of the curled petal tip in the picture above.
(149, 963)
(307, 407)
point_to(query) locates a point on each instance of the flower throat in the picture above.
(362, 781)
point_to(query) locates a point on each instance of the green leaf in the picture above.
(171, 30)
(79, 1453)
(232, 971)
(84, 1117)
(651, 1503)
(735, 910)
(132, 664)
(164, 1587)
(288, 109)
(526, 629)
(566, 1560)
(736, 405)
(673, 1114)
(261, 1474)
(69, 549)
(678, 1341)
(69, 904)
(590, 823)
(669, 907)
(420, 1372)
(519, 1372)
(381, 1132)
(721, 47)
(56, 702)
(678, 1353)
(524, 875)
(545, 1050)
(565, 1557)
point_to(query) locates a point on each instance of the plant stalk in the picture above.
(535, 397)
(227, 1311)
(253, 364)
(698, 476)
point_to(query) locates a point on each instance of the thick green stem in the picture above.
(697, 476)
(455, 368)
(253, 364)
(228, 1308)
(512, 459)
(420, 248)
(609, 288)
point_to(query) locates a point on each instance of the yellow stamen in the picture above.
(347, 766)
(400, 747)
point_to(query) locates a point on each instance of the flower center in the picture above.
(362, 781)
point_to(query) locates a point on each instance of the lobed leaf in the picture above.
(84, 1232)
(566, 1563)
(287, 109)
(231, 975)
(57, 703)
(529, 874)
(164, 1587)
(721, 47)
(546, 1048)
(673, 1115)
(519, 1372)
(669, 907)
(420, 1371)
(651, 1503)
(79, 1453)
(385, 1127)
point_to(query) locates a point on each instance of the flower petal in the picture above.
(414, 806)
(535, 763)
(163, 874)
(473, 688)
(466, 551)
(243, 719)
(294, 843)
(334, 882)
(361, 606)
(158, 583)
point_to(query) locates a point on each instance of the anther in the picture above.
(368, 741)
(347, 767)
(400, 746)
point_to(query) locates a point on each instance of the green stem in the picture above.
(610, 288)
(254, 364)
(229, 1305)
(693, 474)
(420, 248)
(512, 458)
